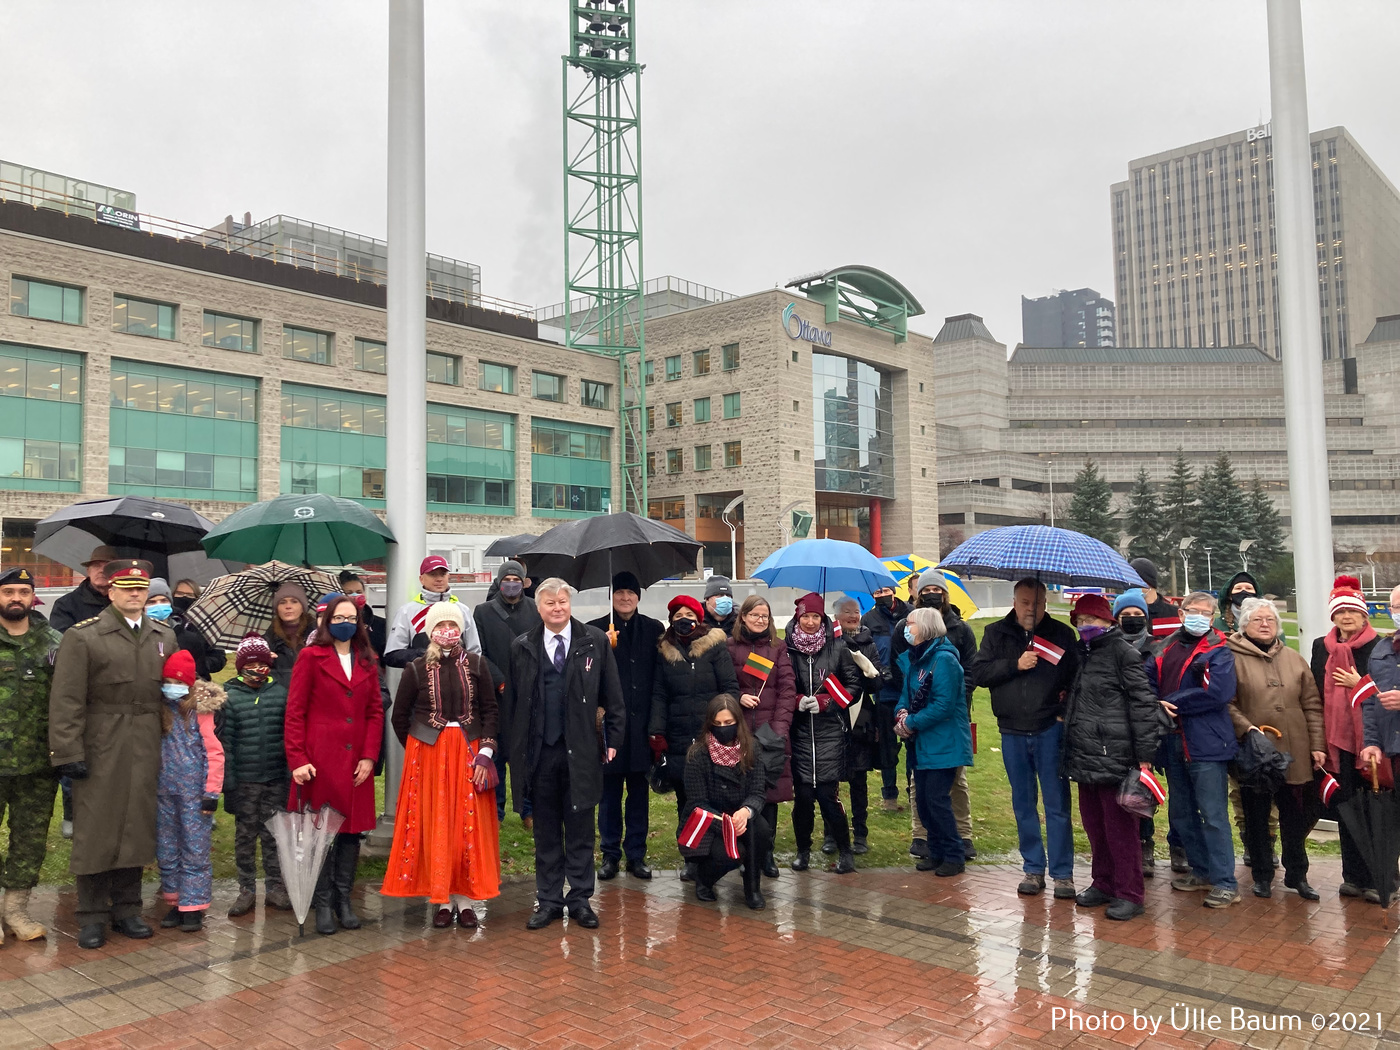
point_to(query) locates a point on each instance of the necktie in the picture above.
(559, 653)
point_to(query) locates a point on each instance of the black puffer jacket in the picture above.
(251, 732)
(863, 753)
(684, 682)
(1111, 717)
(819, 740)
(1024, 701)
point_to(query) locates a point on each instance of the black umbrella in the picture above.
(1373, 818)
(165, 533)
(588, 551)
(510, 546)
(1259, 764)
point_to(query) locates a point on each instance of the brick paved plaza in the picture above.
(881, 958)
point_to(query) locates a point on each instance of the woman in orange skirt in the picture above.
(446, 837)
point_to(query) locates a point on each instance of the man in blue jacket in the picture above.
(1193, 673)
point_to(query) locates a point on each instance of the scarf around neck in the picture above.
(807, 643)
(1341, 721)
(722, 754)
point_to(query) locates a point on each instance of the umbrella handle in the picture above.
(1375, 776)
(1270, 729)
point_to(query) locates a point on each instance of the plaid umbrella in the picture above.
(1057, 556)
(241, 602)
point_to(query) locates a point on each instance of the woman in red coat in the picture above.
(765, 702)
(334, 727)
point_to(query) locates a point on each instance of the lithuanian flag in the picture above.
(758, 666)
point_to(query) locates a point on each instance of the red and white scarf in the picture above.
(1340, 717)
(723, 754)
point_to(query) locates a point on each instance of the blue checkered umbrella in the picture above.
(1057, 556)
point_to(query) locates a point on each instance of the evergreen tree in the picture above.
(1091, 509)
(1223, 519)
(1179, 511)
(1146, 523)
(1267, 533)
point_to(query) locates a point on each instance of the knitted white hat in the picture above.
(1346, 594)
(440, 611)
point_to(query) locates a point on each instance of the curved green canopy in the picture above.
(866, 294)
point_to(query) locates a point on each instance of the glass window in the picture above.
(142, 317)
(374, 419)
(44, 301)
(140, 393)
(500, 378)
(674, 463)
(673, 368)
(702, 410)
(547, 387)
(700, 362)
(437, 427)
(730, 357)
(444, 368)
(45, 381)
(170, 395)
(852, 426)
(651, 417)
(303, 344)
(731, 406)
(230, 333)
(369, 356)
(594, 395)
(673, 414)
(702, 457)
(733, 454)
(12, 376)
(650, 370)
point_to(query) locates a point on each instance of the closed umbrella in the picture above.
(241, 602)
(303, 842)
(1051, 555)
(310, 529)
(824, 566)
(1373, 818)
(164, 533)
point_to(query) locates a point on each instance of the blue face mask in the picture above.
(724, 605)
(1196, 624)
(159, 613)
(343, 632)
(175, 690)
(910, 636)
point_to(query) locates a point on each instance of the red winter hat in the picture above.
(685, 601)
(810, 603)
(1347, 594)
(180, 667)
(1092, 605)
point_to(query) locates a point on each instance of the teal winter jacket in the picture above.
(942, 728)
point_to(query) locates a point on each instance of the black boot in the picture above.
(753, 888)
(770, 866)
(321, 899)
(346, 856)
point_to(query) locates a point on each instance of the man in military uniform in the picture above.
(104, 732)
(27, 784)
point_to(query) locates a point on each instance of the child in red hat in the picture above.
(191, 778)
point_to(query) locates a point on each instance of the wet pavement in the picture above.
(887, 957)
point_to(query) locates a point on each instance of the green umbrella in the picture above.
(313, 529)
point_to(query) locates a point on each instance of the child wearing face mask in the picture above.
(446, 835)
(255, 770)
(191, 777)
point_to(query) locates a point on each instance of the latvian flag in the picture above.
(837, 692)
(1048, 650)
(1165, 626)
(731, 840)
(695, 828)
(758, 666)
(1327, 788)
(1150, 782)
(1364, 688)
(420, 620)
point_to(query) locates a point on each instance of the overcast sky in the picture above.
(966, 148)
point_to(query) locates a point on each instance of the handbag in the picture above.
(1139, 793)
(659, 777)
(772, 754)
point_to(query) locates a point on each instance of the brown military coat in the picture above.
(104, 709)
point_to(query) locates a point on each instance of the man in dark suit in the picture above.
(562, 673)
(635, 651)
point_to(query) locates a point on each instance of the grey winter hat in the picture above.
(718, 585)
(158, 587)
(510, 568)
(932, 578)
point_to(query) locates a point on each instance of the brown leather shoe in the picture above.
(466, 918)
(442, 919)
(528, 823)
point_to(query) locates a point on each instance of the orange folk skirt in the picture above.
(446, 836)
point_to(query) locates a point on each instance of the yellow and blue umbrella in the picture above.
(907, 569)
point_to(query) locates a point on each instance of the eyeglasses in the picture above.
(344, 619)
(758, 617)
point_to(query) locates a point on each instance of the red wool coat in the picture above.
(333, 723)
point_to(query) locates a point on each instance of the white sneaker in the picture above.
(67, 829)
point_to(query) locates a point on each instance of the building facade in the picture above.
(1194, 254)
(1080, 317)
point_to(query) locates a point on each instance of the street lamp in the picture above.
(1210, 577)
(1184, 546)
(1124, 544)
(1371, 562)
(1050, 473)
(1244, 552)
(733, 535)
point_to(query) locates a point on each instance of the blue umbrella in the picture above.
(824, 566)
(1057, 556)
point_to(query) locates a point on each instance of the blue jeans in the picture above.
(932, 788)
(1198, 809)
(1032, 758)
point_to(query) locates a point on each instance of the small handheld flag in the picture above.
(1327, 788)
(693, 832)
(837, 691)
(758, 666)
(1150, 782)
(731, 840)
(1047, 650)
(1364, 688)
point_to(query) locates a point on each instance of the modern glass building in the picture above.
(41, 418)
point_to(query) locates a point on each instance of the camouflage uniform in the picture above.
(27, 784)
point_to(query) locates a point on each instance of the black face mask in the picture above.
(182, 605)
(725, 735)
(931, 601)
(1237, 599)
(684, 628)
(1133, 626)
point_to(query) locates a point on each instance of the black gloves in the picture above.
(73, 770)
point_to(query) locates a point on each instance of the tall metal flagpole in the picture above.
(1300, 321)
(405, 479)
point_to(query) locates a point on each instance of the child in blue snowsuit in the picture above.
(191, 777)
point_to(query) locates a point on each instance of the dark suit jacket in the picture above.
(636, 663)
(591, 682)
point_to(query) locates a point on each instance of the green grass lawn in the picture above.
(993, 826)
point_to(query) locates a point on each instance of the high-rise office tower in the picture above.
(1193, 244)
(1080, 317)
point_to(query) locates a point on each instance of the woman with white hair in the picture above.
(1275, 688)
(932, 717)
(446, 835)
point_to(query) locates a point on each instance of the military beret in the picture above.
(129, 572)
(16, 575)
